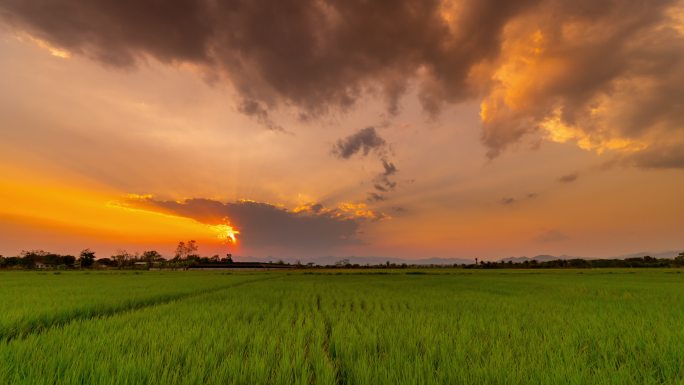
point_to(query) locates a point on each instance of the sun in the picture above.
(226, 232)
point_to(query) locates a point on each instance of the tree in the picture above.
(180, 250)
(344, 262)
(86, 258)
(108, 262)
(191, 249)
(152, 256)
(68, 260)
(679, 259)
(122, 257)
(186, 250)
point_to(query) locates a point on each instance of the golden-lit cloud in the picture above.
(54, 51)
(308, 229)
(604, 80)
(557, 131)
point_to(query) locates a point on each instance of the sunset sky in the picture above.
(413, 129)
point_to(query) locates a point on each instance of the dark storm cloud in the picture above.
(311, 54)
(118, 33)
(265, 225)
(608, 69)
(257, 111)
(568, 178)
(659, 157)
(363, 142)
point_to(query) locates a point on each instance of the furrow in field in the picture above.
(330, 356)
(38, 326)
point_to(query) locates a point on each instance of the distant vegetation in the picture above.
(186, 255)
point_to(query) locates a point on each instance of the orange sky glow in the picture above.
(455, 129)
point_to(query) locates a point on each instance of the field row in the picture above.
(31, 302)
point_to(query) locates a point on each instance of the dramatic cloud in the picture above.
(606, 75)
(308, 228)
(568, 178)
(658, 156)
(364, 141)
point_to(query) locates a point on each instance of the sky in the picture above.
(411, 129)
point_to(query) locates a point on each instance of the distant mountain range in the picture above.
(330, 260)
(545, 257)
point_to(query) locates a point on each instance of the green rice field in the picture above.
(442, 326)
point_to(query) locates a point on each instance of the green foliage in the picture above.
(31, 301)
(344, 327)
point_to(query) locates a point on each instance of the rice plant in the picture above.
(454, 328)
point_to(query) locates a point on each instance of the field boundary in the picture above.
(18, 332)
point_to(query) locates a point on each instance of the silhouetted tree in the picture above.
(191, 249)
(679, 259)
(180, 251)
(86, 258)
(108, 262)
(342, 262)
(122, 258)
(152, 256)
(68, 260)
(186, 250)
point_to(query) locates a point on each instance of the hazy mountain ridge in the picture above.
(330, 260)
(546, 257)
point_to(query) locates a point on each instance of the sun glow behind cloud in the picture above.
(226, 233)
(70, 208)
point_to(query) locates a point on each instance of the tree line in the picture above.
(186, 254)
(579, 263)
